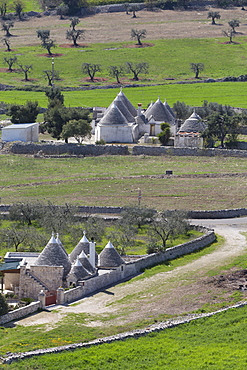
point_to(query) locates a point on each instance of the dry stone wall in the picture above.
(207, 152)
(20, 312)
(118, 337)
(133, 268)
(62, 148)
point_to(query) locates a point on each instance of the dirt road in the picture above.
(178, 291)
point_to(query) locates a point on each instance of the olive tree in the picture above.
(10, 61)
(197, 68)
(167, 225)
(6, 28)
(233, 24)
(137, 68)
(90, 69)
(75, 35)
(138, 35)
(213, 16)
(26, 69)
(116, 71)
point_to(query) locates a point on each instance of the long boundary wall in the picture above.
(96, 150)
(211, 214)
(135, 267)
(118, 337)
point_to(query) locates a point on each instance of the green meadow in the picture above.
(167, 59)
(229, 93)
(215, 343)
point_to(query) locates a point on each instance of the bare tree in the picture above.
(74, 22)
(230, 34)
(26, 69)
(233, 24)
(6, 42)
(6, 27)
(90, 69)
(137, 68)
(51, 75)
(213, 16)
(197, 68)
(138, 35)
(116, 71)
(75, 35)
(10, 61)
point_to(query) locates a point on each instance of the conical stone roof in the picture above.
(83, 245)
(54, 255)
(113, 116)
(167, 106)
(109, 257)
(123, 108)
(127, 103)
(60, 243)
(78, 270)
(193, 124)
(86, 263)
(159, 112)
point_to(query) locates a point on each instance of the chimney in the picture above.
(92, 253)
(139, 111)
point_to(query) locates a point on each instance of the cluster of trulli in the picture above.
(82, 263)
(122, 122)
(27, 273)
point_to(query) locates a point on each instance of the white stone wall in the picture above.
(114, 133)
(188, 142)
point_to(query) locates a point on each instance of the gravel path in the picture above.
(172, 288)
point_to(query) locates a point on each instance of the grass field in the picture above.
(216, 343)
(114, 181)
(229, 93)
(220, 60)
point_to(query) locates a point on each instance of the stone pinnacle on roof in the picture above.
(109, 257)
(113, 116)
(54, 255)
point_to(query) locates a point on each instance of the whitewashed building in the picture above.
(21, 132)
(121, 122)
